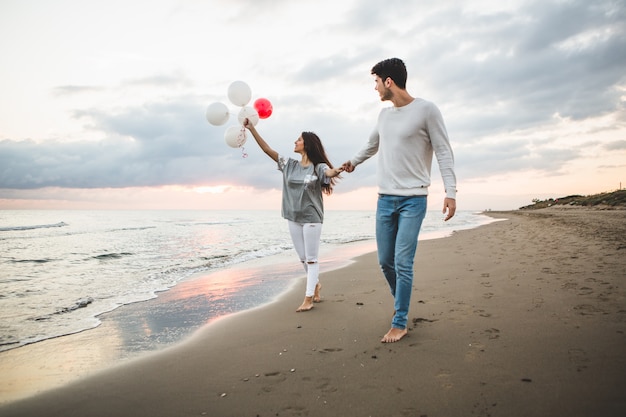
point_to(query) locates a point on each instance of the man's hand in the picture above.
(449, 207)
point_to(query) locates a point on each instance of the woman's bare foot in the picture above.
(307, 305)
(393, 335)
(316, 297)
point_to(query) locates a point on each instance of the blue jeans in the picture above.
(398, 223)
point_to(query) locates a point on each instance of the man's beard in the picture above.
(386, 94)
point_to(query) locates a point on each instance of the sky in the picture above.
(103, 103)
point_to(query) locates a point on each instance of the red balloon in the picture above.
(263, 107)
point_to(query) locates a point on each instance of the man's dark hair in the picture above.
(392, 68)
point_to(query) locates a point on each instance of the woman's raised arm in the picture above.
(262, 144)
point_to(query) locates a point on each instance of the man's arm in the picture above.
(445, 158)
(369, 150)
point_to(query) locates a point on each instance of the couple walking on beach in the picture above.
(405, 138)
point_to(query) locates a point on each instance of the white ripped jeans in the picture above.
(306, 241)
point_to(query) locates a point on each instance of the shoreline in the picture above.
(520, 317)
(150, 326)
(59, 313)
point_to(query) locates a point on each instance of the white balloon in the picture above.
(217, 113)
(239, 93)
(235, 136)
(248, 113)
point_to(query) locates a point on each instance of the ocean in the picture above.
(60, 271)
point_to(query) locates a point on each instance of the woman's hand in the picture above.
(248, 124)
(333, 172)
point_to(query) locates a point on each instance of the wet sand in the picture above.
(522, 317)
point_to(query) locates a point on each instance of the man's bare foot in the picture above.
(393, 335)
(316, 297)
(307, 305)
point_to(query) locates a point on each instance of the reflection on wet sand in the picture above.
(55, 362)
(148, 326)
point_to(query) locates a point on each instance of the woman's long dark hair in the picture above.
(316, 153)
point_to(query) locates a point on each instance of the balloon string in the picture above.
(241, 139)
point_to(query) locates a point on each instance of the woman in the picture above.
(304, 182)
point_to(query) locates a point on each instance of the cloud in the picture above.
(161, 81)
(507, 77)
(66, 90)
(518, 70)
(618, 145)
(158, 143)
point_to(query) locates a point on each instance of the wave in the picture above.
(39, 226)
(214, 223)
(8, 342)
(126, 229)
(106, 256)
(82, 303)
(34, 261)
(347, 240)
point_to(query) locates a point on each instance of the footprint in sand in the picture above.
(443, 375)
(537, 303)
(475, 349)
(492, 333)
(330, 350)
(570, 285)
(418, 320)
(296, 410)
(408, 412)
(579, 358)
(325, 385)
(274, 378)
(588, 309)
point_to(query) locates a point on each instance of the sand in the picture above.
(522, 317)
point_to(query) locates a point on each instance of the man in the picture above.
(405, 137)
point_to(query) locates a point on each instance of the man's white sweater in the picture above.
(405, 139)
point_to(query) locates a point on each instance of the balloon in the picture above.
(235, 136)
(217, 114)
(263, 107)
(248, 113)
(239, 93)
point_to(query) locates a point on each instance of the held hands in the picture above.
(347, 166)
(333, 172)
